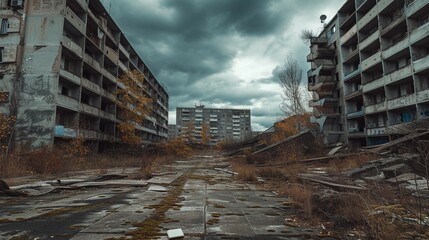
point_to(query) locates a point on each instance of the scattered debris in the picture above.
(334, 150)
(328, 182)
(304, 139)
(395, 170)
(175, 233)
(226, 171)
(132, 183)
(393, 143)
(157, 188)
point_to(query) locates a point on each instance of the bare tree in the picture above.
(293, 96)
(306, 35)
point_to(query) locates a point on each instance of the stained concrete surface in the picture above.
(212, 206)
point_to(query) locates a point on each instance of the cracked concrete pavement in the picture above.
(212, 206)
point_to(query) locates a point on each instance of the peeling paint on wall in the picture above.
(36, 115)
(40, 6)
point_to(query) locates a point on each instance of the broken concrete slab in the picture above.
(133, 183)
(226, 171)
(404, 178)
(166, 179)
(175, 233)
(334, 150)
(395, 170)
(330, 183)
(373, 167)
(395, 142)
(37, 191)
(157, 188)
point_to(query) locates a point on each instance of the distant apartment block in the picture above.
(59, 69)
(221, 124)
(172, 131)
(370, 71)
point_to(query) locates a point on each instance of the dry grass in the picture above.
(245, 171)
(338, 165)
(301, 195)
(271, 173)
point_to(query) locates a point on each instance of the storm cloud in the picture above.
(225, 53)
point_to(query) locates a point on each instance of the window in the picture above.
(1, 54)
(333, 29)
(4, 26)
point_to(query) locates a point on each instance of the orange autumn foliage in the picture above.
(205, 134)
(133, 104)
(6, 127)
(290, 126)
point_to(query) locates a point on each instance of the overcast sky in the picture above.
(224, 53)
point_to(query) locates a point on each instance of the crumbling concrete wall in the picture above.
(40, 72)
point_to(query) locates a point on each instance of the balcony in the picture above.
(318, 40)
(162, 105)
(371, 61)
(353, 93)
(61, 131)
(67, 102)
(111, 54)
(70, 76)
(90, 86)
(349, 34)
(376, 131)
(370, 39)
(88, 134)
(397, 20)
(317, 52)
(106, 137)
(108, 95)
(378, 107)
(89, 109)
(395, 48)
(91, 61)
(415, 6)
(107, 115)
(145, 129)
(111, 35)
(371, 14)
(419, 33)
(351, 56)
(351, 74)
(72, 46)
(378, 83)
(423, 96)
(398, 75)
(122, 66)
(74, 20)
(356, 114)
(382, 4)
(124, 51)
(400, 102)
(110, 76)
(421, 64)
(322, 102)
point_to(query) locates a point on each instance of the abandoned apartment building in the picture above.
(61, 59)
(370, 71)
(222, 124)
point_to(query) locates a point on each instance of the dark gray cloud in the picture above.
(194, 47)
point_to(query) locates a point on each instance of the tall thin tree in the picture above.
(293, 95)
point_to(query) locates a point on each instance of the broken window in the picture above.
(4, 97)
(4, 26)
